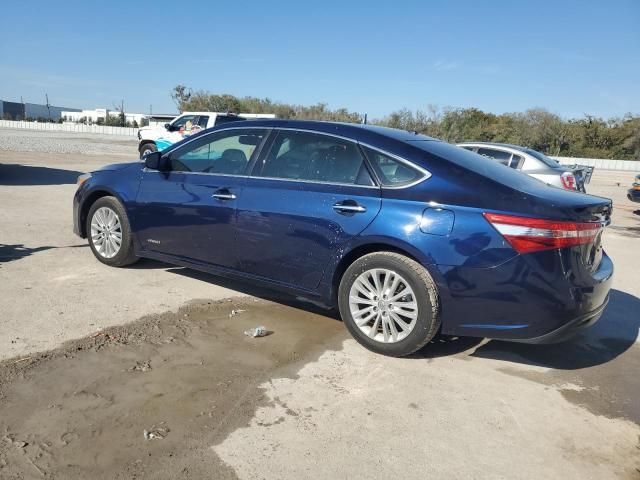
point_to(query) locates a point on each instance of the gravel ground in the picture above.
(17, 140)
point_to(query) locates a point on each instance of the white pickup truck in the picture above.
(153, 139)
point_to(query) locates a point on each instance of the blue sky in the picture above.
(571, 57)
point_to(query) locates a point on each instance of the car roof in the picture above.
(205, 113)
(495, 144)
(358, 130)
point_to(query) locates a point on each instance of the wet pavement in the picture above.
(185, 378)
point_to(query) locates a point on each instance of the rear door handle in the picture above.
(349, 206)
(223, 194)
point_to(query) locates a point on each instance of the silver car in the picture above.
(527, 161)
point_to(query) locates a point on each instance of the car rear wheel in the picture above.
(109, 233)
(147, 148)
(389, 303)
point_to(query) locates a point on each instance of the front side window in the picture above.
(392, 172)
(221, 152)
(315, 157)
(185, 122)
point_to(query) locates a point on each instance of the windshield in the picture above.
(543, 158)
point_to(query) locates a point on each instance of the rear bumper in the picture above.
(535, 298)
(569, 329)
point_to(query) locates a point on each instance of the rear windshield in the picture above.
(543, 158)
(477, 163)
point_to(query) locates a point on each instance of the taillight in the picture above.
(568, 180)
(527, 235)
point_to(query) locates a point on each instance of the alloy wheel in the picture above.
(383, 305)
(106, 232)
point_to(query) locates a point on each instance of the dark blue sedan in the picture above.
(408, 236)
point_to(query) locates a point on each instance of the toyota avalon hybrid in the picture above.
(406, 235)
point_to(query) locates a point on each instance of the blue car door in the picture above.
(309, 194)
(189, 212)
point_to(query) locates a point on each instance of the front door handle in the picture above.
(223, 194)
(349, 206)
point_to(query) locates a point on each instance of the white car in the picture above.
(153, 139)
(528, 161)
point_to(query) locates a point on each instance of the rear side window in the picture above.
(516, 162)
(202, 121)
(392, 172)
(315, 157)
(502, 157)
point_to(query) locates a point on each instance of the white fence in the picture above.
(70, 127)
(602, 163)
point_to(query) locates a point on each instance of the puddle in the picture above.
(147, 400)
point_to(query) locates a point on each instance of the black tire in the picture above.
(426, 297)
(147, 148)
(125, 255)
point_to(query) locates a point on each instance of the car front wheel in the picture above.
(147, 148)
(109, 233)
(389, 303)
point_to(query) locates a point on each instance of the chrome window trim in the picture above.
(145, 169)
(377, 187)
(346, 139)
(426, 174)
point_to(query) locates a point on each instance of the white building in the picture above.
(100, 115)
(158, 120)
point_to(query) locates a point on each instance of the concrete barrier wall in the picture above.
(602, 163)
(70, 127)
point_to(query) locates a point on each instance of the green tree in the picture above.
(180, 95)
(536, 128)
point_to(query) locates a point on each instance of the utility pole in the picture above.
(48, 106)
(24, 109)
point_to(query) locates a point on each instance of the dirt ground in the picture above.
(145, 372)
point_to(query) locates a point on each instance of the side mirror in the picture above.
(153, 161)
(169, 127)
